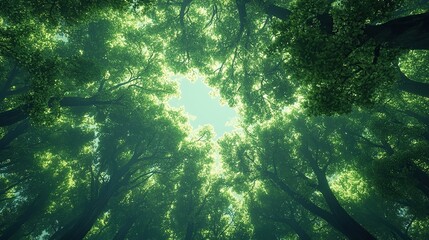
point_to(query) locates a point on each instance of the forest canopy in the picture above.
(332, 143)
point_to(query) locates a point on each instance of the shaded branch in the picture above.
(9, 79)
(13, 134)
(409, 32)
(278, 12)
(413, 87)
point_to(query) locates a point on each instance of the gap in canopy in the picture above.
(203, 105)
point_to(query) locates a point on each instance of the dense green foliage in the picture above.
(333, 141)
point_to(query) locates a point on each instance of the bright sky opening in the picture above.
(204, 108)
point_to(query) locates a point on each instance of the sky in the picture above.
(202, 107)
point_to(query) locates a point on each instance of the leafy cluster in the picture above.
(333, 141)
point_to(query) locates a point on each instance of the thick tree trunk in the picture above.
(81, 226)
(413, 87)
(343, 223)
(278, 12)
(11, 135)
(189, 231)
(124, 229)
(349, 227)
(302, 234)
(347, 224)
(242, 17)
(410, 32)
(307, 204)
(14, 92)
(183, 9)
(421, 118)
(421, 177)
(32, 209)
(13, 116)
(78, 228)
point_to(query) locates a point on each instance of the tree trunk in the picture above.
(307, 204)
(78, 228)
(189, 231)
(81, 226)
(183, 8)
(278, 12)
(11, 135)
(410, 32)
(14, 92)
(347, 224)
(124, 229)
(413, 87)
(421, 177)
(302, 234)
(421, 118)
(35, 207)
(13, 116)
(20, 113)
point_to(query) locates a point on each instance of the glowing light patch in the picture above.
(199, 102)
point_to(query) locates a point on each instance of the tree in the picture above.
(91, 149)
(105, 85)
(288, 167)
(353, 69)
(202, 207)
(43, 81)
(36, 173)
(139, 215)
(336, 55)
(275, 216)
(131, 151)
(331, 168)
(393, 143)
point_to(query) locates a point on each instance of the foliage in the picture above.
(333, 141)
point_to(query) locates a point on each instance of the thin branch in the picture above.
(148, 89)
(214, 13)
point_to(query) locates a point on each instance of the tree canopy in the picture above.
(332, 142)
